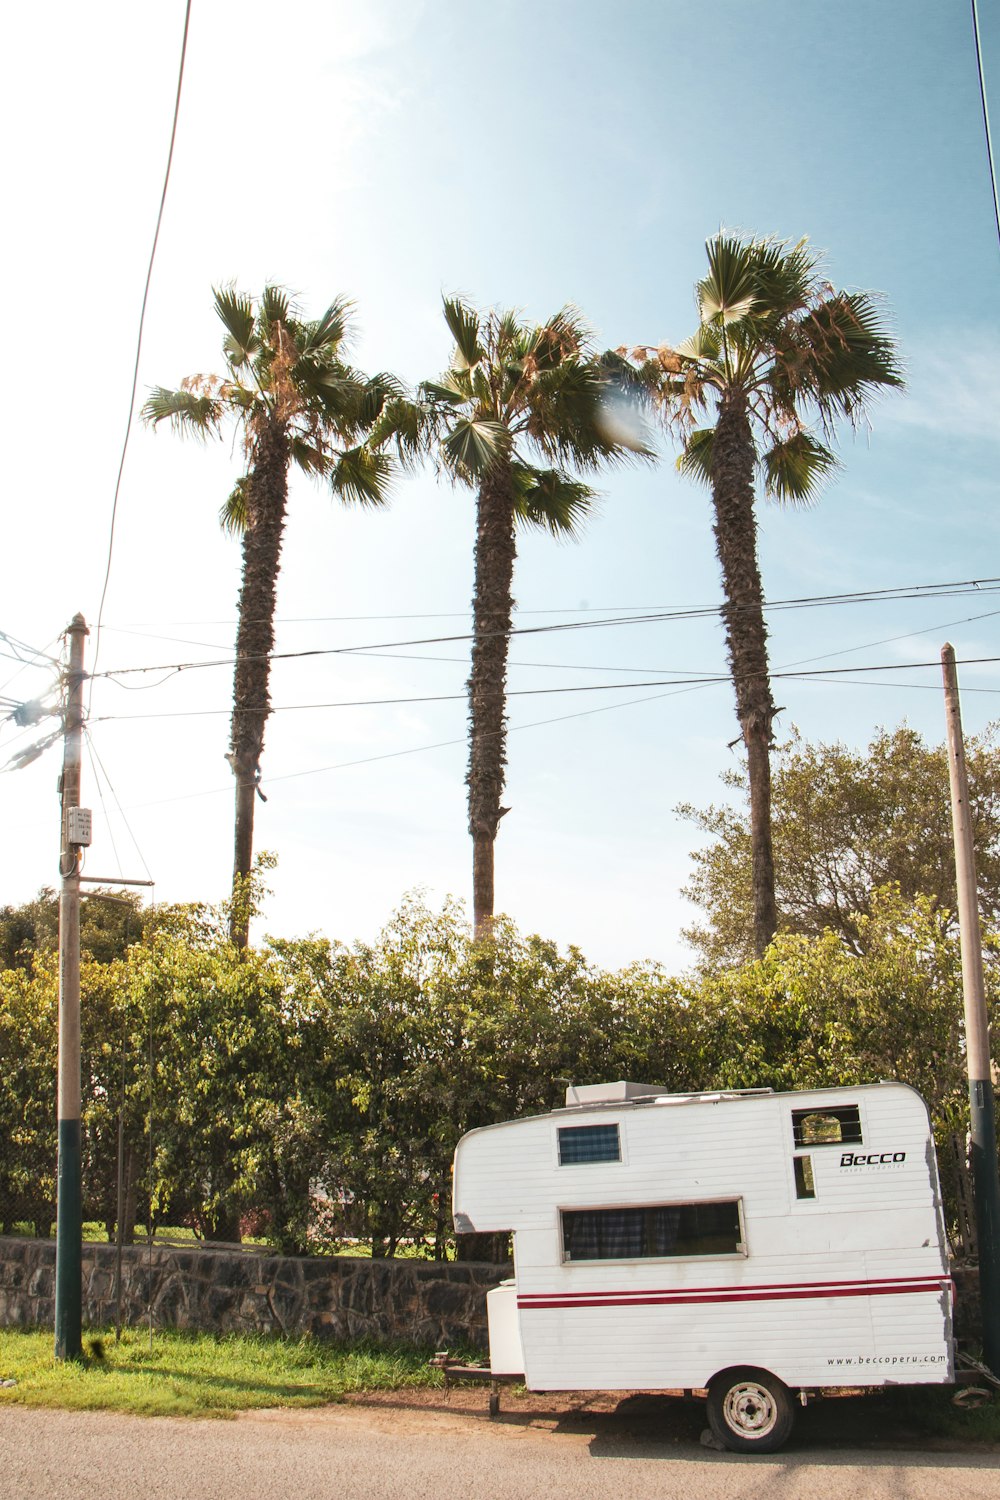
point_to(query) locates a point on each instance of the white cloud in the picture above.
(953, 388)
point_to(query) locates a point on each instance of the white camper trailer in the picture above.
(751, 1244)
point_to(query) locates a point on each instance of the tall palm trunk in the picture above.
(746, 638)
(493, 606)
(267, 499)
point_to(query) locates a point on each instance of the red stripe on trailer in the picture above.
(781, 1292)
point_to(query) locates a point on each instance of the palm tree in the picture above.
(293, 400)
(777, 348)
(518, 408)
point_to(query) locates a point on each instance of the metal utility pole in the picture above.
(982, 1107)
(75, 835)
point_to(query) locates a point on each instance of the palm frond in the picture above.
(695, 460)
(795, 468)
(237, 314)
(274, 308)
(550, 499)
(481, 386)
(704, 345)
(786, 276)
(511, 337)
(329, 331)
(375, 394)
(471, 447)
(453, 389)
(463, 323)
(407, 425)
(567, 417)
(853, 354)
(636, 379)
(233, 514)
(240, 397)
(362, 476)
(729, 291)
(328, 385)
(561, 338)
(311, 458)
(185, 411)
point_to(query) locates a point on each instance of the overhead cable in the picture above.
(936, 591)
(138, 344)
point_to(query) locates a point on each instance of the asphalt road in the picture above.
(384, 1451)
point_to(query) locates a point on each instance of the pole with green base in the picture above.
(69, 1202)
(982, 1107)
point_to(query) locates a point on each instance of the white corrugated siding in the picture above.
(875, 1222)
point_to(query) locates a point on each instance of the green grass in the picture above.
(200, 1375)
(197, 1374)
(181, 1235)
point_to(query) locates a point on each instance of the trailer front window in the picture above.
(666, 1229)
(588, 1143)
(827, 1127)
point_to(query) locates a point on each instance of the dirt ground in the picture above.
(882, 1420)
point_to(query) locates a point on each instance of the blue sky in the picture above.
(526, 155)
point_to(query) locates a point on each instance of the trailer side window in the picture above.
(827, 1127)
(658, 1230)
(588, 1143)
(805, 1186)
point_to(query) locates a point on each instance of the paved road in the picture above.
(384, 1452)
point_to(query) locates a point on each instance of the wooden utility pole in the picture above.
(982, 1107)
(75, 834)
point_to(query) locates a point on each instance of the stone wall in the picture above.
(230, 1291)
(339, 1297)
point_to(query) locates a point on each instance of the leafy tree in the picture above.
(28, 1020)
(846, 822)
(425, 1036)
(516, 416)
(110, 920)
(777, 349)
(293, 400)
(812, 1014)
(319, 1091)
(227, 1078)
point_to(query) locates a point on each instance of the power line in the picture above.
(705, 680)
(138, 345)
(515, 729)
(986, 114)
(574, 666)
(95, 757)
(891, 639)
(33, 652)
(603, 609)
(899, 594)
(583, 713)
(100, 792)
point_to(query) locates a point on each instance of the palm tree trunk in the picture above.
(746, 638)
(493, 606)
(267, 498)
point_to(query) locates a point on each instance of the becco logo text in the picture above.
(872, 1159)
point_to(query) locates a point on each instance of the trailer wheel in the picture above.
(750, 1411)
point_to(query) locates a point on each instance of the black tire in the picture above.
(750, 1411)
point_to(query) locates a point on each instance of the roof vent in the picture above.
(610, 1093)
